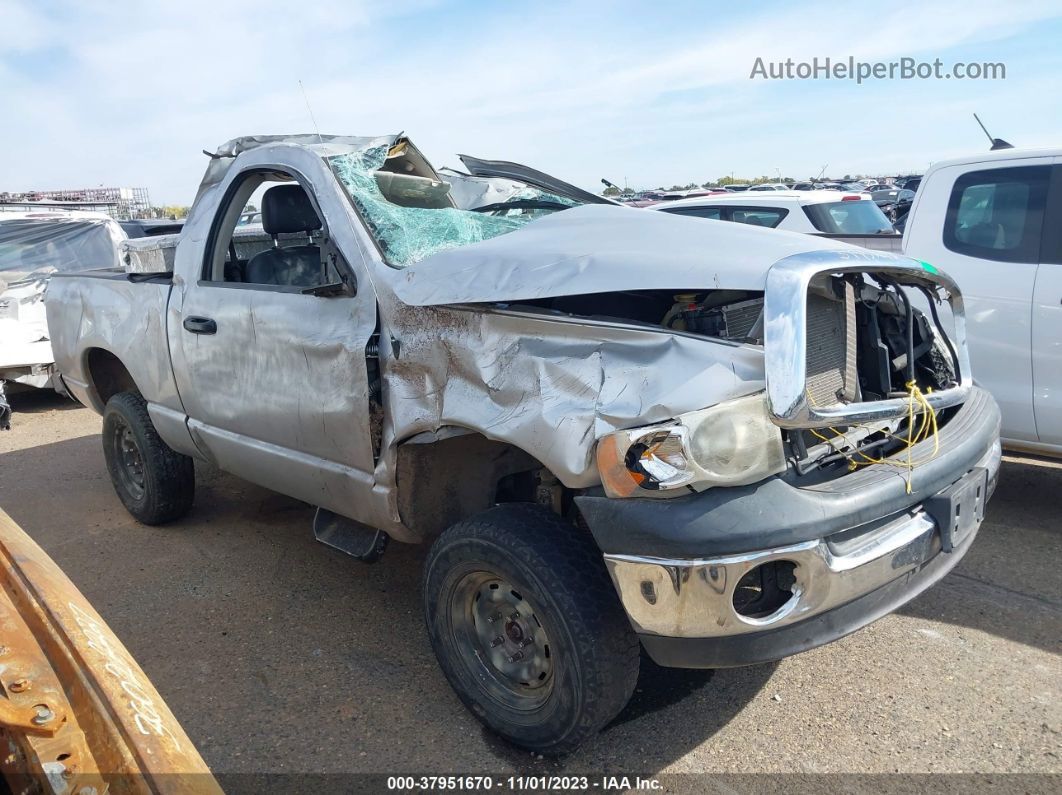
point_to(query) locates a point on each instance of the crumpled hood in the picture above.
(596, 249)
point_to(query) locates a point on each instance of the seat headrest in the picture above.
(287, 208)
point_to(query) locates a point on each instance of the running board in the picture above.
(358, 540)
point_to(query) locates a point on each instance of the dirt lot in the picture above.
(280, 654)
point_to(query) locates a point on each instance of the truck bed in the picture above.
(122, 314)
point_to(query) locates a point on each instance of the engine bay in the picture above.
(865, 341)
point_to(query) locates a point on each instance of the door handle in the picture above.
(200, 325)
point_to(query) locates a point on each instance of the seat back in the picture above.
(287, 209)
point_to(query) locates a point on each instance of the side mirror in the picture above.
(330, 290)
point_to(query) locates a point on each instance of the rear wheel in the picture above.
(154, 482)
(527, 627)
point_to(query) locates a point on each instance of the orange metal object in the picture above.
(77, 714)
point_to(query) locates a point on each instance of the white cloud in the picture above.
(130, 92)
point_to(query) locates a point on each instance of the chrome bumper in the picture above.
(695, 598)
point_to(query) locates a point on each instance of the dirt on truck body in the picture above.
(77, 714)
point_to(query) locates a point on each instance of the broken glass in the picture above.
(408, 235)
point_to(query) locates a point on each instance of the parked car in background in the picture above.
(33, 247)
(803, 186)
(600, 417)
(993, 221)
(643, 198)
(894, 202)
(851, 216)
(151, 227)
(910, 183)
(736, 188)
(770, 186)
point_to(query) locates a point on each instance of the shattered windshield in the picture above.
(34, 248)
(413, 217)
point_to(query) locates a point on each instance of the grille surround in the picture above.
(786, 337)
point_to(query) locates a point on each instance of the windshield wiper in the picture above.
(522, 204)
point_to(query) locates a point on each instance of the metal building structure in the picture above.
(119, 203)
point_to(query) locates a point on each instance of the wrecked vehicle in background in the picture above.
(34, 246)
(77, 714)
(616, 427)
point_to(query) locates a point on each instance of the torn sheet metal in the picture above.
(553, 388)
(77, 714)
(469, 192)
(531, 176)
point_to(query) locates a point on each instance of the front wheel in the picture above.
(527, 627)
(154, 482)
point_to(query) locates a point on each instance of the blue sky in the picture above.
(128, 93)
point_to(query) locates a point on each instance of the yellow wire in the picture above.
(927, 426)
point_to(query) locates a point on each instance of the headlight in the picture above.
(731, 444)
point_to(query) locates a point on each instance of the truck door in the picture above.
(1047, 320)
(273, 377)
(989, 242)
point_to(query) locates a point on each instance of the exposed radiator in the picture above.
(741, 317)
(831, 349)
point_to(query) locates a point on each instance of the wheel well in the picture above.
(452, 474)
(108, 375)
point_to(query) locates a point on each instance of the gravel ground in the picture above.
(279, 654)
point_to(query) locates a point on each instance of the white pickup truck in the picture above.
(614, 426)
(994, 222)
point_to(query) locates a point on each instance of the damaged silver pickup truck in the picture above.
(617, 427)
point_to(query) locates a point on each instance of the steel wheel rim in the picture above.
(502, 640)
(130, 463)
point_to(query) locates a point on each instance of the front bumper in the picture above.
(773, 644)
(859, 548)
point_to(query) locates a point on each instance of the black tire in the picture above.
(155, 483)
(582, 661)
